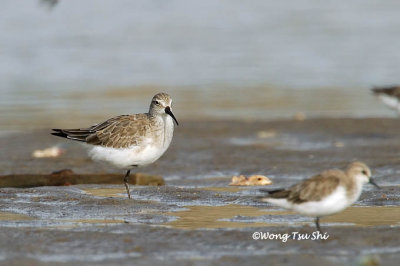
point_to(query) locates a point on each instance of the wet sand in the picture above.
(196, 218)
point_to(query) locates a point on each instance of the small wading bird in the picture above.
(324, 194)
(129, 141)
(389, 96)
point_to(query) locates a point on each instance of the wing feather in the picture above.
(390, 91)
(316, 187)
(311, 189)
(119, 132)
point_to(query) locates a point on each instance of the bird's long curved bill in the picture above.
(371, 181)
(168, 111)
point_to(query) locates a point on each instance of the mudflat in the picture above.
(196, 218)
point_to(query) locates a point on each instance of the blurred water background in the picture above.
(84, 61)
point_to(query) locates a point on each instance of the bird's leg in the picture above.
(126, 183)
(317, 224)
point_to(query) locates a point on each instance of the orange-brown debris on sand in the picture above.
(254, 180)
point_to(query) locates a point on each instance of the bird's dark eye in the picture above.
(364, 172)
(156, 102)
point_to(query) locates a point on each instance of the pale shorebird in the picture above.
(389, 96)
(324, 194)
(129, 141)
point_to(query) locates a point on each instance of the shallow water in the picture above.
(235, 60)
(207, 216)
(368, 216)
(197, 217)
(101, 192)
(218, 217)
(10, 216)
(224, 216)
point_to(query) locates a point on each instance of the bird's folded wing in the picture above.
(316, 187)
(120, 132)
(390, 91)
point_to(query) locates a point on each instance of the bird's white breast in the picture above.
(390, 101)
(332, 203)
(151, 149)
(168, 125)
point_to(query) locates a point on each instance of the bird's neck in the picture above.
(354, 188)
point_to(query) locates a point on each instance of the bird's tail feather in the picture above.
(74, 134)
(276, 193)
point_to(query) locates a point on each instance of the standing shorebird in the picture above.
(129, 141)
(389, 96)
(324, 194)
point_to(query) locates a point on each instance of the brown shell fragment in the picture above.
(254, 180)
